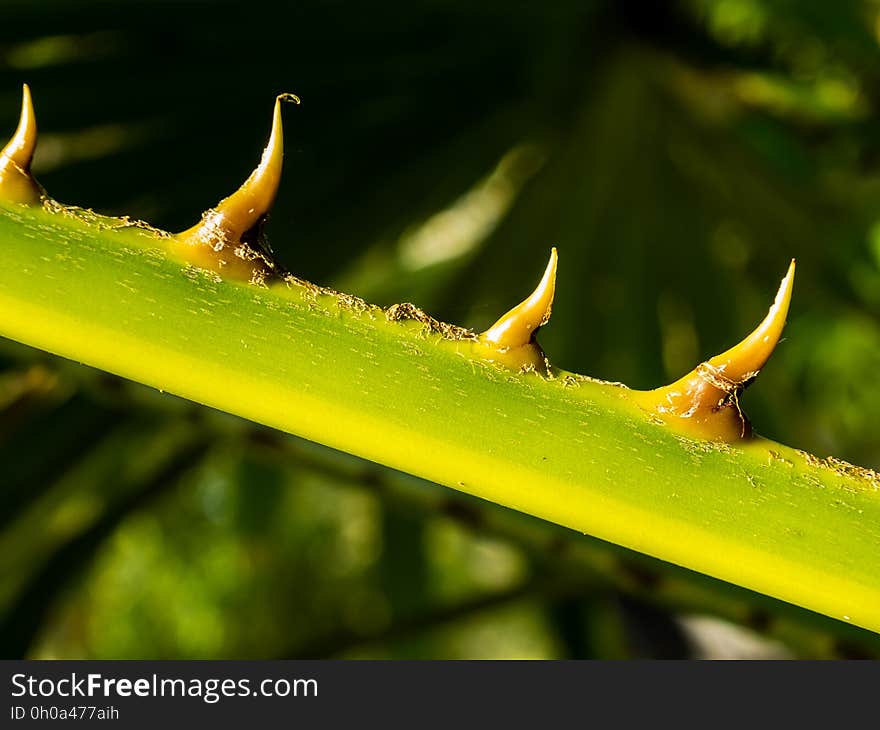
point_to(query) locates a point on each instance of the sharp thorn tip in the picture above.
(517, 327)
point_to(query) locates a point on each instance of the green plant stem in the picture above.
(574, 452)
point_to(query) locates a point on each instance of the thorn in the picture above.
(705, 402)
(21, 147)
(742, 362)
(518, 326)
(16, 182)
(511, 340)
(222, 239)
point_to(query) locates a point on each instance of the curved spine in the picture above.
(227, 238)
(705, 402)
(17, 184)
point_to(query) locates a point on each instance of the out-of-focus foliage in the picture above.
(678, 154)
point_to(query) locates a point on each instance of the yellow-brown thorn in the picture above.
(226, 239)
(17, 185)
(511, 340)
(705, 402)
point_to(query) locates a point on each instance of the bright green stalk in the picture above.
(571, 451)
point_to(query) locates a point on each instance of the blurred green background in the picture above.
(677, 153)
